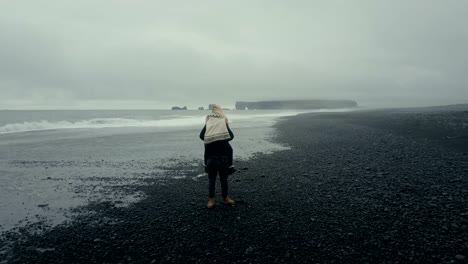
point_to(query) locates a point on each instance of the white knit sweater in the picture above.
(216, 129)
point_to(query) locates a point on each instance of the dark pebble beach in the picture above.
(382, 186)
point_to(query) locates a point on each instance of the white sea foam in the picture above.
(239, 118)
(98, 123)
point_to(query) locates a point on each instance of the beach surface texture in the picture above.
(386, 186)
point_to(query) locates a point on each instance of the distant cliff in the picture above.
(296, 104)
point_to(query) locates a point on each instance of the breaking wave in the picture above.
(98, 123)
(240, 119)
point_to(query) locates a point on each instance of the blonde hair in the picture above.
(218, 110)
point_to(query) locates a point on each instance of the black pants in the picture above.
(227, 147)
(218, 165)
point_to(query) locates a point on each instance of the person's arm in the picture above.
(230, 132)
(202, 133)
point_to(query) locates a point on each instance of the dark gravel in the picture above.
(354, 188)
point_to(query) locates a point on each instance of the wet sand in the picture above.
(387, 186)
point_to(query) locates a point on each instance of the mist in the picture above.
(157, 54)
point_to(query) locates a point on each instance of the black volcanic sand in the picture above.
(367, 187)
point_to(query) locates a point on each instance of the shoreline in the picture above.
(352, 189)
(46, 174)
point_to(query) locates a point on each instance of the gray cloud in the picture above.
(62, 53)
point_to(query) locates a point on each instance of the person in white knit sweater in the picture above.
(216, 135)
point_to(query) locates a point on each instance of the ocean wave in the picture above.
(99, 123)
(237, 118)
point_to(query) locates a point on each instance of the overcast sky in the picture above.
(156, 54)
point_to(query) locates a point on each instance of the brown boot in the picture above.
(211, 203)
(228, 201)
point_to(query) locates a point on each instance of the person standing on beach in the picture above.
(218, 157)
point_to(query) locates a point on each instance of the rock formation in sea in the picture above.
(179, 108)
(296, 104)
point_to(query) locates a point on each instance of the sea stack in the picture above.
(179, 108)
(296, 104)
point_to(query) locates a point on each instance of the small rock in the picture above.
(287, 255)
(249, 250)
(214, 229)
(460, 257)
(42, 205)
